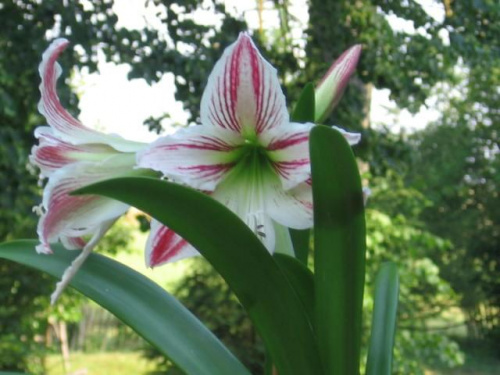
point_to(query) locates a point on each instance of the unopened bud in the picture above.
(332, 85)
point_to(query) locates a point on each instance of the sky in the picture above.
(111, 103)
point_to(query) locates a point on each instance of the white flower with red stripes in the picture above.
(246, 153)
(71, 156)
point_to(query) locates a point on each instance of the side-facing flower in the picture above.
(332, 85)
(246, 153)
(71, 156)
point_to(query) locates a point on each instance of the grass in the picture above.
(479, 360)
(100, 364)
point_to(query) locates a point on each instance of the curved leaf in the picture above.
(236, 253)
(300, 241)
(301, 279)
(339, 250)
(379, 360)
(305, 107)
(138, 302)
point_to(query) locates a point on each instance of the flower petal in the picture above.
(243, 93)
(165, 246)
(332, 85)
(197, 156)
(352, 138)
(52, 153)
(72, 216)
(288, 149)
(245, 194)
(72, 243)
(292, 208)
(61, 121)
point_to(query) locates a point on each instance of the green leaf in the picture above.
(339, 250)
(301, 279)
(300, 240)
(379, 360)
(304, 109)
(139, 303)
(237, 254)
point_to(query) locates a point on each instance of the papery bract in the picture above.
(246, 153)
(332, 85)
(71, 156)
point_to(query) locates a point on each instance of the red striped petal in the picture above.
(165, 246)
(197, 156)
(243, 93)
(53, 153)
(292, 208)
(61, 121)
(288, 149)
(72, 216)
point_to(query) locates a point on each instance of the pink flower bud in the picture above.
(332, 85)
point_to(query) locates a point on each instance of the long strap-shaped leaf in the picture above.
(241, 259)
(301, 278)
(379, 360)
(339, 250)
(140, 303)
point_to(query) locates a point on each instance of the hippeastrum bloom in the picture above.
(71, 156)
(246, 153)
(332, 85)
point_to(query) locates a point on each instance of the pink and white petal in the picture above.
(352, 138)
(246, 197)
(52, 153)
(243, 93)
(165, 246)
(72, 243)
(292, 208)
(197, 156)
(71, 216)
(288, 149)
(65, 212)
(61, 121)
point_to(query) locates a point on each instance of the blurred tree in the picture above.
(457, 168)
(394, 232)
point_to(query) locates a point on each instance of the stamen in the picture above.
(71, 271)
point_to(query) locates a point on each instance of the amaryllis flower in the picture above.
(71, 156)
(246, 153)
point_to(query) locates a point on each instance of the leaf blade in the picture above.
(250, 271)
(305, 107)
(133, 297)
(339, 248)
(379, 361)
(300, 241)
(301, 279)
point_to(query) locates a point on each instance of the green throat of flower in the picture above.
(252, 165)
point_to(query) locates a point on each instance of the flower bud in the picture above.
(332, 85)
